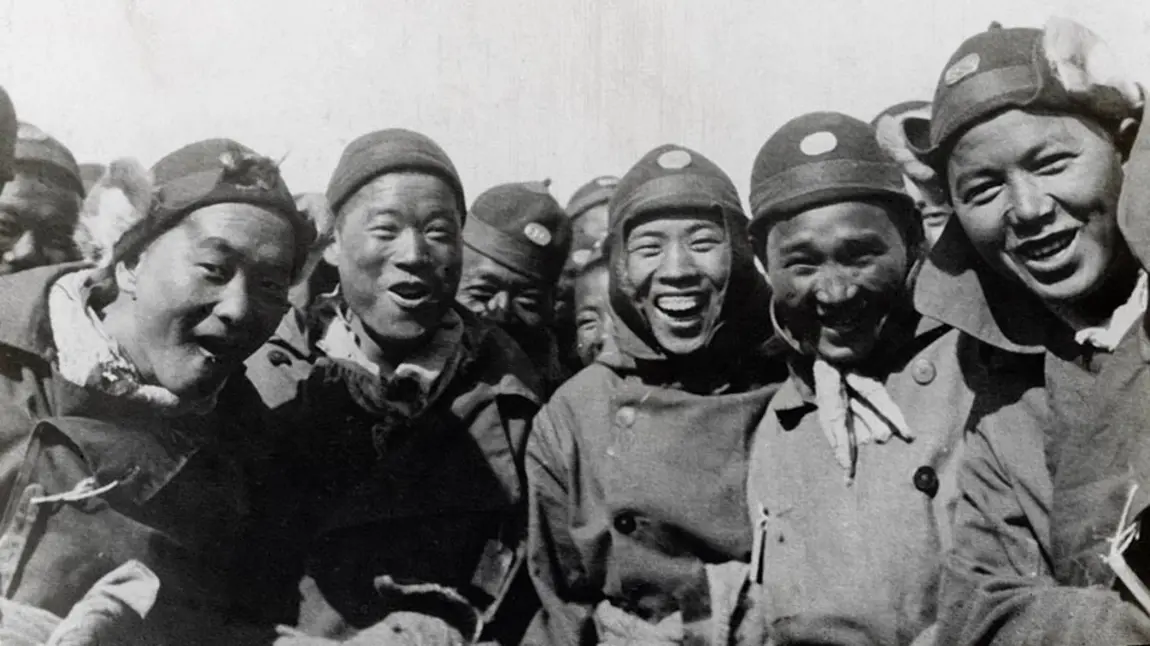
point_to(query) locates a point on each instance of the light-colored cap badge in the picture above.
(818, 143)
(606, 182)
(674, 159)
(537, 233)
(961, 69)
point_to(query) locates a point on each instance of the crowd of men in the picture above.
(899, 401)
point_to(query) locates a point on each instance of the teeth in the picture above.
(1046, 249)
(677, 303)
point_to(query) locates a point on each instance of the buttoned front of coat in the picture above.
(860, 562)
(633, 487)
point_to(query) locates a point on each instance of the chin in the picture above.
(843, 354)
(680, 347)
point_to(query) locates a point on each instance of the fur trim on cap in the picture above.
(116, 202)
(892, 139)
(1089, 71)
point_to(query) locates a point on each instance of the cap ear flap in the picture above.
(1089, 70)
(119, 200)
(904, 137)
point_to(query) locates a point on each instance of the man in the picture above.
(622, 529)
(40, 206)
(587, 210)
(852, 472)
(593, 326)
(921, 182)
(515, 242)
(1032, 130)
(127, 429)
(403, 419)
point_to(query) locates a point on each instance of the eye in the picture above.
(981, 192)
(214, 272)
(705, 241)
(1053, 164)
(587, 320)
(383, 231)
(645, 247)
(440, 231)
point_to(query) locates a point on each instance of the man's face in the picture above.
(207, 294)
(593, 327)
(37, 220)
(501, 295)
(678, 264)
(1037, 195)
(398, 249)
(932, 204)
(590, 228)
(836, 272)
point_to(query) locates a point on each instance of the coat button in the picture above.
(923, 371)
(926, 481)
(625, 523)
(625, 416)
(278, 358)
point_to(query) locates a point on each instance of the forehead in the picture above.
(418, 194)
(30, 197)
(831, 223)
(591, 283)
(1012, 133)
(258, 233)
(673, 222)
(478, 267)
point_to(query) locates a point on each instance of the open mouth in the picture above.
(843, 318)
(411, 293)
(1045, 248)
(214, 349)
(681, 306)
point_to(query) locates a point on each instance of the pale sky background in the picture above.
(513, 89)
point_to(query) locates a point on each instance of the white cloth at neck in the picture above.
(425, 365)
(1108, 335)
(854, 410)
(87, 356)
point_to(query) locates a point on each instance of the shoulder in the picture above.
(497, 365)
(280, 365)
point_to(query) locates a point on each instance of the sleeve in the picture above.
(998, 586)
(567, 598)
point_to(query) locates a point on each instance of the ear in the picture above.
(332, 251)
(1125, 136)
(126, 278)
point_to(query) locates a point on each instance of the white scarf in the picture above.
(88, 357)
(1107, 336)
(853, 409)
(425, 365)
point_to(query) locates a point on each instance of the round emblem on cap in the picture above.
(674, 159)
(818, 143)
(961, 69)
(29, 132)
(606, 182)
(537, 233)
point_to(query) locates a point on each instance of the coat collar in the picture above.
(798, 395)
(956, 287)
(24, 321)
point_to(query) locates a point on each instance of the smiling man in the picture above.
(40, 206)
(404, 417)
(515, 242)
(621, 531)
(852, 471)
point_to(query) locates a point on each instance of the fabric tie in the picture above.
(854, 410)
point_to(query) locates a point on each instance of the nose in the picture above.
(677, 265)
(835, 287)
(234, 305)
(411, 250)
(23, 250)
(1029, 203)
(498, 308)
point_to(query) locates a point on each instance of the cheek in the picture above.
(985, 226)
(715, 265)
(640, 269)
